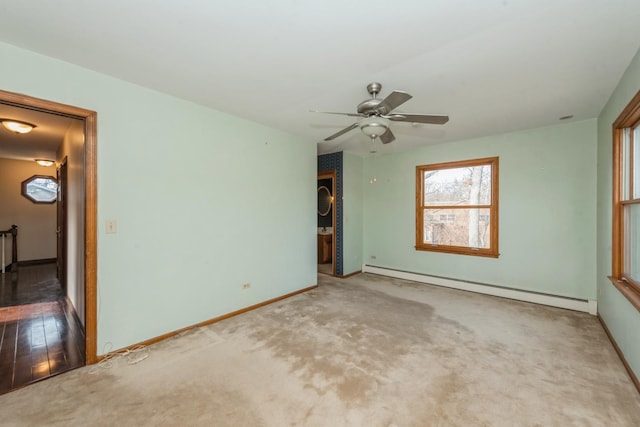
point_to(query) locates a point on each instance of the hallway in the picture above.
(39, 332)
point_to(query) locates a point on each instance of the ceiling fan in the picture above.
(377, 113)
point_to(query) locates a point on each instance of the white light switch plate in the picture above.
(112, 226)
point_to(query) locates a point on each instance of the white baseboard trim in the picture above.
(587, 306)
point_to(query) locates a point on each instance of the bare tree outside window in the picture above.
(456, 207)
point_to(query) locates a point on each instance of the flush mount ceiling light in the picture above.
(44, 162)
(374, 126)
(17, 126)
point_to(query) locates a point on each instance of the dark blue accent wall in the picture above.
(329, 162)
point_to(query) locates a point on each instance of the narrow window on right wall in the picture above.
(626, 202)
(457, 207)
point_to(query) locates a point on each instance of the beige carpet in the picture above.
(365, 351)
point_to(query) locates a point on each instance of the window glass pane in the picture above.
(42, 189)
(458, 186)
(626, 164)
(457, 227)
(636, 165)
(632, 241)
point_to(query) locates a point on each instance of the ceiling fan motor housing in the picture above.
(372, 107)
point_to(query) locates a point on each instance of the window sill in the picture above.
(632, 294)
(457, 250)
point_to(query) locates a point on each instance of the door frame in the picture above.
(61, 226)
(90, 119)
(331, 174)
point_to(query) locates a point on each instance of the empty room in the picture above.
(320, 213)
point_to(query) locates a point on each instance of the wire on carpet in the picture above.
(133, 355)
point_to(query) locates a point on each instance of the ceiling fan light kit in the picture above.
(376, 115)
(374, 126)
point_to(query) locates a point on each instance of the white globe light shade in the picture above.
(374, 126)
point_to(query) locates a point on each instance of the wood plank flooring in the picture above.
(39, 337)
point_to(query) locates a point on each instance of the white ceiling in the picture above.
(492, 65)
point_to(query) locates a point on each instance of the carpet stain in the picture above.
(333, 348)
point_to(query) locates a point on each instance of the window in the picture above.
(626, 202)
(40, 189)
(457, 207)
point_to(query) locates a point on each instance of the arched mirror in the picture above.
(324, 201)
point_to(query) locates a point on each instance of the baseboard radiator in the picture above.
(587, 306)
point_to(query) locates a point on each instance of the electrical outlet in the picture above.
(246, 285)
(373, 257)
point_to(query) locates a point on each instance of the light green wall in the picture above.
(352, 213)
(204, 202)
(547, 211)
(622, 319)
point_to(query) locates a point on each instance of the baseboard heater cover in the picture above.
(587, 306)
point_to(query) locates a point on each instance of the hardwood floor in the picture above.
(325, 268)
(39, 332)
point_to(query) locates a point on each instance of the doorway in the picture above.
(326, 235)
(85, 213)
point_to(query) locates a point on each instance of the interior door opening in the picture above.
(83, 214)
(326, 236)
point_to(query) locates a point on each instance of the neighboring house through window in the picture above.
(457, 207)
